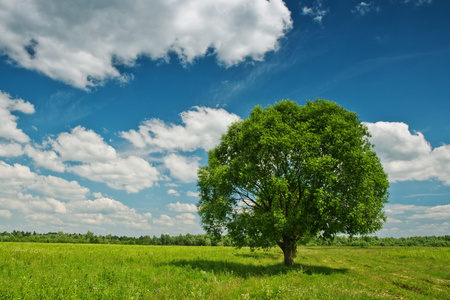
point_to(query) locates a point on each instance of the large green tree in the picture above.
(290, 172)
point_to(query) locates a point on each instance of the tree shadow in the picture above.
(249, 270)
(258, 254)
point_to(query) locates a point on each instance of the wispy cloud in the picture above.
(418, 2)
(182, 207)
(363, 8)
(414, 220)
(424, 195)
(316, 11)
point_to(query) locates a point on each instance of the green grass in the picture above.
(78, 271)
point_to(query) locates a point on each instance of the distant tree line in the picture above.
(365, 241)
(207, 240)
(91, 238)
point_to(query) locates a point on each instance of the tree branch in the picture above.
(246, 196)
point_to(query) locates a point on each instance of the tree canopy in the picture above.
(290, 172)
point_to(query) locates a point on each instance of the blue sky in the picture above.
(107, 109)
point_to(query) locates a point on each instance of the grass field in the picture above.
(78, 271)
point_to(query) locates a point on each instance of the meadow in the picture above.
(88, 271)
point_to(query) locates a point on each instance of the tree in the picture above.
(290, 172)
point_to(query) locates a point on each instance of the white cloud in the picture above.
(8, 129)
(101, 205)
(191, 194)
(440, 212)
(180, 220)
(49, 201)
(40, 219)
(202, 128)
(186, 219)
(407, 156)
(18, 178)
(411, 211)
(57, 187)
(42, 205)
(418, 2)
(400, 209)
(414, 220)
(317, 12)
(424, 195)
(182, 207)
(173, 192)
(393, 220)
(10, 149)
(132, 174)
(181, 167)
(164, 220)
(83, 146)
(81, 43)
(364, 8)
(99, 161)
(47, 159)
(107, 212)
(6, 214)
(393, 141)
(53, 214)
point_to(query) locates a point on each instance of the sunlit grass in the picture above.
(78, 271)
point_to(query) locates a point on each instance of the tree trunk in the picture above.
(289, 248)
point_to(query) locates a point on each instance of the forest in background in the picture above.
(206, 240)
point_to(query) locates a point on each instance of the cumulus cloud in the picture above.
(53, 200)
(88, 155)
(406, 156)
(180, 220)
(8, 129)
(316, 11)
(132, 174)
(400, 209)
(164, 220)
(58, 188)
(49, 213)
(83, 146)
(186, 219)
(85, 153)
(47, 159)
(363, 8)
(103, 205)
(181, 167)
(106, 212)
(42, 219)
(202, 128)
(81, 43)
(182, 207)
(10, 149)
(173, 192)
(17, 178)
(191, 194)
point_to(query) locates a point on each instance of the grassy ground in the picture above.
(77, 271)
